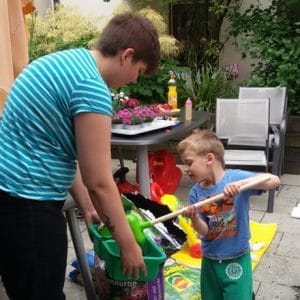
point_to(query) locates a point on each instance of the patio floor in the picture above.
(276, 277)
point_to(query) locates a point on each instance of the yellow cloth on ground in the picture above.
(261, 238)
(261, 233)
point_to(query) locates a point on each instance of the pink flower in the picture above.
(146, 112)
(130, 103)
(131, 116)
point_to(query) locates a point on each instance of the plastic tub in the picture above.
(109, 252)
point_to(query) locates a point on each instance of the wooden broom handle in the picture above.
(209, 200)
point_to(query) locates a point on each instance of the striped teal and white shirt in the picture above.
(37, 143)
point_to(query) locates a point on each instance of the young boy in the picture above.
(224, 225)
(54, 138)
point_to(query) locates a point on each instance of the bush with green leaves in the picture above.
(60, 29)
(271, 35)
(65, 28)
(153, 89)
(206, 84)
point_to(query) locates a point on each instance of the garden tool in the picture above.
(138, 228)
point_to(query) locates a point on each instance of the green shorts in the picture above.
(228, 279)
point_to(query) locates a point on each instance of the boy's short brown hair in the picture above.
(203, 142)
(130, 30)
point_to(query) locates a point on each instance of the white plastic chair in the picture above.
(243, 125)
(278, 119)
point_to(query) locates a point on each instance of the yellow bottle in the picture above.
(172, 93)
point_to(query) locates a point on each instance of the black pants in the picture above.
(33, 248)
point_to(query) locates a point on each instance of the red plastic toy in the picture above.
(123, 185)
(163, 173)
(156, 192)
(163, 170)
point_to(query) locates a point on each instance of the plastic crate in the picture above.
(108, 251)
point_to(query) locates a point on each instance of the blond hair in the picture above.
(203, 142)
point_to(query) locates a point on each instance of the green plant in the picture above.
(153, 89)
(161, 6)
(204, 85)
(60, 29)
(271, 35)
(168, 44)
(197, 25)
(65, 28)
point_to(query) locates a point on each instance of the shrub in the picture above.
(65, 28)
(60, 29)
(153, 89)
(271, 36)
(204, 85)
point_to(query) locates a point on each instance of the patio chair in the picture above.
(278, 118)
(242, 125)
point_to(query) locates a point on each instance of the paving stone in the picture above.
(275, 243)
(282, 270)
(289, 246)
(285, 222)
(74, 291)
(290, 191)
(272, 291)
(290, 179)
(256, 215)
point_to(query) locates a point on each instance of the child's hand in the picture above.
(191, 212)
(232, 189)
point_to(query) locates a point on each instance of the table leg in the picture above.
(143, 170)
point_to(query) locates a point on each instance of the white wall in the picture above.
(94, 7)
(87, 7)
(43, 5)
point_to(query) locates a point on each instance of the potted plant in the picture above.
(148, 113)
(116, 121)
(203, 86)
(131, 119)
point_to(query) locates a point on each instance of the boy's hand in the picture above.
(191, 212)
(232, 189)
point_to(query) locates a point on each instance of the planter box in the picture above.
(292, 146)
